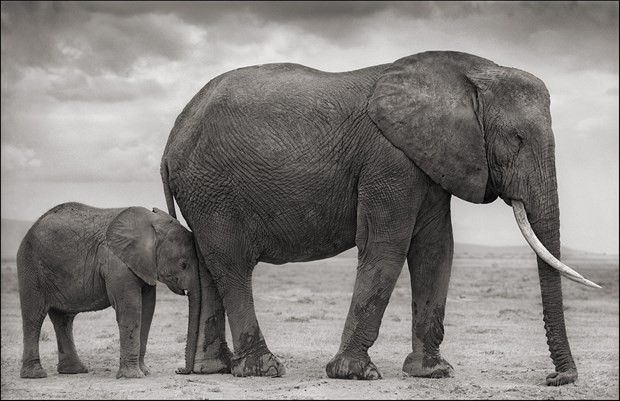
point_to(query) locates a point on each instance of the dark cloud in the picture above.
(202, 13)
(540, 15)
(318, 10)
(50, 35)
(112, 36)
(580, 30)
(28, 34)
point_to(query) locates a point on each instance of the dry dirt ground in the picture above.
(494, 338)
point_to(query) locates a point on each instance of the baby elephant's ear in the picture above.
(132, 238)
(163, 214)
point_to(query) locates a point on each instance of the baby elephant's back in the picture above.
(60, 256)
(67, 237)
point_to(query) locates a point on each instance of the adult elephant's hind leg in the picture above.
(212, 352)
(230, 265)
(430, 264)
(251, 356)
(68, 360)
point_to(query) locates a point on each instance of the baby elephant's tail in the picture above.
(167, 190)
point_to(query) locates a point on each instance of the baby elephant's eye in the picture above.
(183, 265)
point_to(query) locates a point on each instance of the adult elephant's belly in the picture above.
(309, 231)
(308, 219)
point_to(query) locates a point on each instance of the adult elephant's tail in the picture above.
(167, 190)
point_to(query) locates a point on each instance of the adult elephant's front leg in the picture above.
(383, 242)
(430, 264)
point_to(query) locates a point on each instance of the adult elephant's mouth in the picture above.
(531, 238)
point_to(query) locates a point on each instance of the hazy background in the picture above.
(91, 90)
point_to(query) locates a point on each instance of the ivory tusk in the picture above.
(541, 251)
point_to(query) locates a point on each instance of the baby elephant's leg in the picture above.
(68, 360)
(148, 307)
(125, 295)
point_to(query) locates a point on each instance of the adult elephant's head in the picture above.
(482, 131)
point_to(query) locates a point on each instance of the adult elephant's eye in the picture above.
(519, 136)
(507, 147)
(183, 265)
(514, 141)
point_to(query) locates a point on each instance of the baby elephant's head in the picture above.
(177, 262)
(155, 246)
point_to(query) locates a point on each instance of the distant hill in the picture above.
(505, 252)
(13, 231)
(512, 250)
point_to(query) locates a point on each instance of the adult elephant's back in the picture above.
(280, 102)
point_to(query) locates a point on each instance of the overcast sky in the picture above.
(91, 90)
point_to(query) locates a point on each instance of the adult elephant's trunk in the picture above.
(547, 229)
(543, 214)
(195, 297)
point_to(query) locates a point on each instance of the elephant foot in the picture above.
(346, 367)
(266, 364)
(431, 367)
(220, 362)
(71, 367)
(129, 373)
(562, 378)
(32, 371)
(209, 367)
(183, 371)
(212, 366)
(145, 369)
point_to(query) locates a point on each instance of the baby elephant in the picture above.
(78, 258)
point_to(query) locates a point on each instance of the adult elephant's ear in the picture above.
(425, 105)
(132, 238)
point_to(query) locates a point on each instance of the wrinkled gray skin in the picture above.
(283, 163)
(78, 258)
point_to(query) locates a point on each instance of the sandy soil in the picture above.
(494, 339)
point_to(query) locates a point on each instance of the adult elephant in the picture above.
(284, 163)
